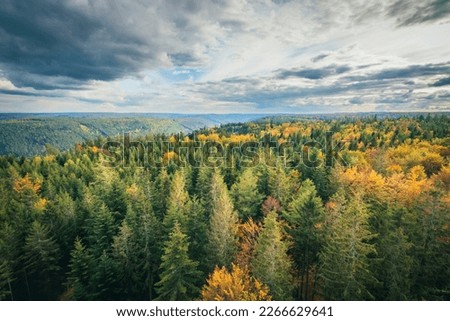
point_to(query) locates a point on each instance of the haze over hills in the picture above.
(27, 134)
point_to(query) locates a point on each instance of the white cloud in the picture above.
(227, 56)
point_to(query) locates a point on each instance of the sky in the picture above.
(224, 56)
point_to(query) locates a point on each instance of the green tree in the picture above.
(41, 258)
(179, 273)
(136, 250)
(345, 261)
(80, 272)
(161, 191)
(177, 203)
(282, 186)
(305, 216)
(223, 239)
(271, 264)
(247, 198)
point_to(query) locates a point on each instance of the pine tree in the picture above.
(9, 253)
(5, 281)
(136, 250)
(271, 264)
(41, 258)
(100, 230)
(223, 224)
(179, 273)
(79, 278)
(161, 191)
(197, 231)
(396, 265)
(305, 216)
(247, 198)
(345, 256)
(105, 278)
(282, 186)
(177, 203)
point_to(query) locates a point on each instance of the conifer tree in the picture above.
(247, 198)
(100, 229)
(9, 249)
(197, 231)
(271, 264)
(80, 274)
(177, 203)
(161, 191)
(344, 259)
(179, 273)
(136, 249)
(223, 224)
(41, 258)
(282, 186)
(105, 278)
(305, 216)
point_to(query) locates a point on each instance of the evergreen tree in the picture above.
(197, 231)
(305, 216)
(223, 224)
(79, 278)
(177, 203)
(271, 264)
(282, 186)
(161, 191)
(247, 198)
(5, 281)
(396, 266)
(100, 230)
(345, 258)
(136, 249)
(41, 263)
(178, 272)
(105, 279)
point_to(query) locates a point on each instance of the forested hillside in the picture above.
(279, 209)
(33, 134)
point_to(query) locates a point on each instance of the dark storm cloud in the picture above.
(97, 40)
(47, 38)
(409, 12)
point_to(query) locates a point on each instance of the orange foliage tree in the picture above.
(238, 285)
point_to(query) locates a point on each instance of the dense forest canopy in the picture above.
(276, 209)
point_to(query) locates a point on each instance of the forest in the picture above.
(23, 134)
(351, 208)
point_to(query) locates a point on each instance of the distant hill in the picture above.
(27, 134)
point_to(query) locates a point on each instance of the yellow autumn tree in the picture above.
(238, 285)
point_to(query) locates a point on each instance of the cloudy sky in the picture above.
(221, 56)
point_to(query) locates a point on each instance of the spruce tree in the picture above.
(247, 198)
(41, 263)
(177, 203)
(223, 224)
(80, 274)
(305, 216)
(345, 257)
(179, 273)
(271, 264)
